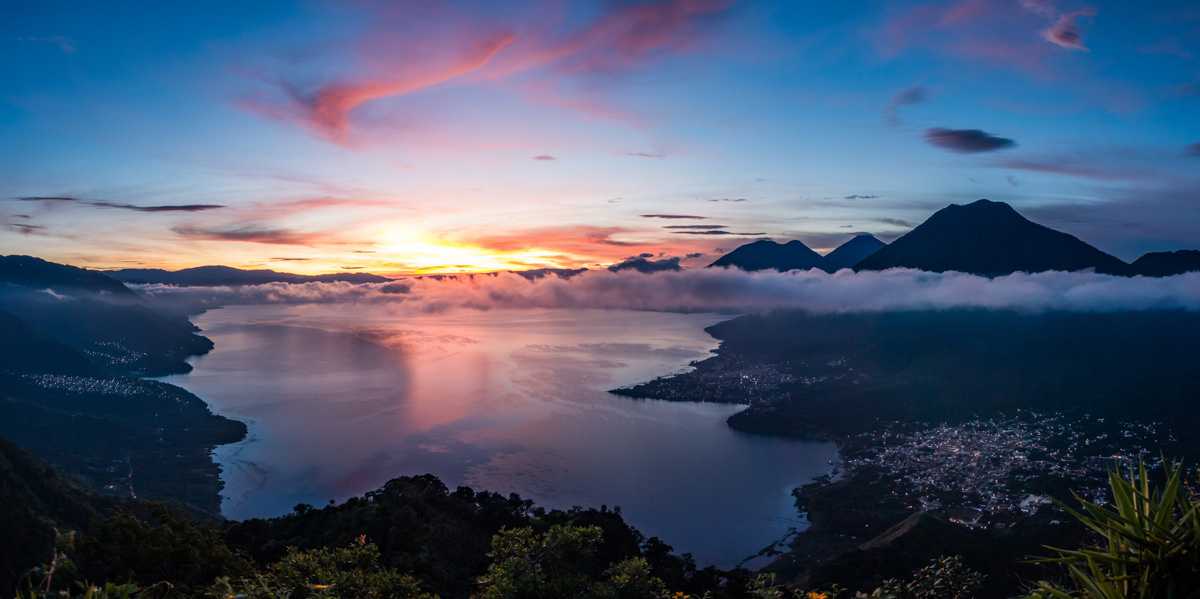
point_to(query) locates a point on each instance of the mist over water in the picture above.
(340, 398)
(729, 290)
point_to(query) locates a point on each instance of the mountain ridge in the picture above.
(1165, 264)
(206, 276)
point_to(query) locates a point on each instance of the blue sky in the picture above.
(419, 137)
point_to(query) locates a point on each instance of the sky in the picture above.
(420, 136)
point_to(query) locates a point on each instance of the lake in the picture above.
(340, 398)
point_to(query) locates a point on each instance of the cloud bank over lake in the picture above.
(727, 290)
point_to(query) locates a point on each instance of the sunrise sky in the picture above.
(423, 136)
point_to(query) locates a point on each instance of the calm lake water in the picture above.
(341, 398)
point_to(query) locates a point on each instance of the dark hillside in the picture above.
(34, 501)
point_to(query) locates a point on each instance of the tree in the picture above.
(560, 563)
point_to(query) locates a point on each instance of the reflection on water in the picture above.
(341, 398)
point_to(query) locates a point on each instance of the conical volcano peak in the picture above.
(992, 239)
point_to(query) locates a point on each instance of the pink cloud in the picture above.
(634, 33)
(413, 47)
(327, 110)
(1064, 31)
(1077, 167)
(978, 30)
(1000, 32)
(567, 240)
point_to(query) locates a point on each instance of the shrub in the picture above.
(1149, 542)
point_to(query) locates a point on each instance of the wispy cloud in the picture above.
(966, 141)
(545, 158)
(26, 229)
(1134, 164)
(695, 226)
(412, 47)
(997, 32)
(674, 216)
(103, 204)
(734, 200)
(65, 44)
(717, 232)
(175, 208)
(990, 32)
(642, 155)
(248, 233)
(326, 110)
(860, 197)
(1045, 8)
(577, 240)
(1075, 167)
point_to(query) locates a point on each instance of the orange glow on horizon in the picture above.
(409, 250)
(420, 254)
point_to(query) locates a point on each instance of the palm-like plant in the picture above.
(1150, 542)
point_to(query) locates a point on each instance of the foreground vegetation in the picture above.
(1146, 546)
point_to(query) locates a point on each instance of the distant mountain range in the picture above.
(96, 315)
(207, 276)
(1165, 264)
(983, 238)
